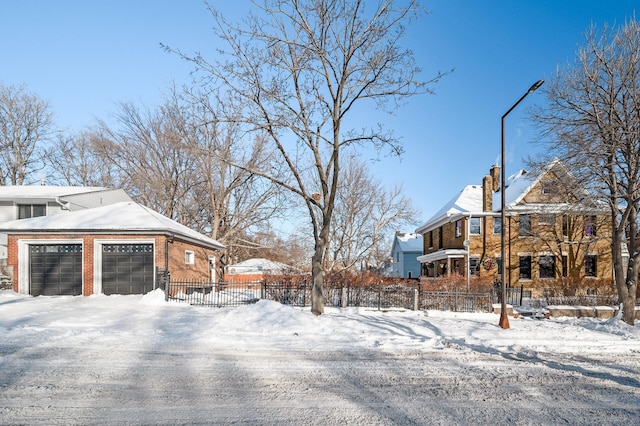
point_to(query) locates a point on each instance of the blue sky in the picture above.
(85, 56)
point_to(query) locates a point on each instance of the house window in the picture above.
(497, 225)
(440, 237)
(590, 262)
(525, 267)
(549, 187)
(189, 257)
(525, 225)
(566, 223)
(26, 211)
(590, 226)
(547, 219)
(474, 225)
(458, 228)
(430, 239)
(547, 265)
(474, 266)
(565, 265)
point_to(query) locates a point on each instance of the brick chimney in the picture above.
(495, 175)
(487, 193)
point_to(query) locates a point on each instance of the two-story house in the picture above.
(404, 255)
(556, 233)
(24, 202)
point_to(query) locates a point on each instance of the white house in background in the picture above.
(404, 253)
(24, 202)
(255, 270)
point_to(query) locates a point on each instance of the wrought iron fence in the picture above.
(381, 297)
(457, 301)
(213, 294)
(377, 296)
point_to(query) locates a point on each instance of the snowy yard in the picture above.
(141, 360)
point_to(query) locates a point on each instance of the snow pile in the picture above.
(268, 324)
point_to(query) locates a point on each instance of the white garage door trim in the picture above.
(97, 257)
(23, 259)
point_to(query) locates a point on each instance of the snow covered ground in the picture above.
(140, 360)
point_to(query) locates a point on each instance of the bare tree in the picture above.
(25, 124)
(149, 148)
(366, 213)
(300, 69)
(176, 159)
(592, 120)
(230, 201)
(75, 160)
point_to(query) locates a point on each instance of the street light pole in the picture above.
(504, 319)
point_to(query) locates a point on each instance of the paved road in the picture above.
(184, 385)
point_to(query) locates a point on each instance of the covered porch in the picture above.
(443, 263)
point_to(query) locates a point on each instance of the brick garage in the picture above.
(116, 249)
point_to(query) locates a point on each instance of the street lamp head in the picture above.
(535, 86)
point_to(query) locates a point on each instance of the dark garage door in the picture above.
(56, 269)
(127, 268)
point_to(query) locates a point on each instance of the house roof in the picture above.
(467, 201)
(408, 243)
(518, 185)
(258, 265)
(44, 191)
(521, 183)
(124, 217)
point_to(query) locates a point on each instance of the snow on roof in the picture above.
(518, 185)
(43, 191)
(469, 200)
(258, 265)
(119, 217)
(409, 242)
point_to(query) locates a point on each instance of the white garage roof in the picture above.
(124, 217)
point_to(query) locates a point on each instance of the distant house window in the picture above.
(474, 226)
(547, 265)
(590, 262)
(189, 257)
(497, 225)
(565, 265)
(525, 267)
(440, 237)
(26, 211)
(525, 225)
(430, 239)
(458, 228)
(590, 226)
